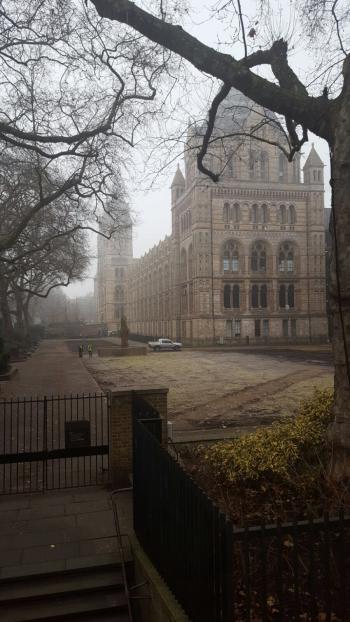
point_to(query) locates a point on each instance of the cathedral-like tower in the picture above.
(114, 255)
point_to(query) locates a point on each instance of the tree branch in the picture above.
(312, 112)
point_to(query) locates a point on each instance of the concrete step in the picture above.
(61, 583)
(67, 607)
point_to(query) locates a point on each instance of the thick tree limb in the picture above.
(311, 112)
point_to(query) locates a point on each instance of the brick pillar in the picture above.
(120, 443)
(121, 429)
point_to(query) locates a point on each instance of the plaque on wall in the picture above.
(77, 434)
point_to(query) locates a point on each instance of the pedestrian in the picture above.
(81, 350)
(90, 350)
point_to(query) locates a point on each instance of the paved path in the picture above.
(60, 530)
(52, 369)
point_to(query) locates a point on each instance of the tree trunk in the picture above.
(5, 310)
(339, 432)
(19, 313)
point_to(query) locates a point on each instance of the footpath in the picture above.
(51, 370)
(62, 529)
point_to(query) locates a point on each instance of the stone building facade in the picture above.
(246, 256)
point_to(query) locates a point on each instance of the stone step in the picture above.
(61, 583)
(67, 607)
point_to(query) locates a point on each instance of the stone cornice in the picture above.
(261, 193)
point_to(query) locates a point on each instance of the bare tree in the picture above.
(325, 113)
(73, 97)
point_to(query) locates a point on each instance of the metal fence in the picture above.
(275, 573)
(53, 442)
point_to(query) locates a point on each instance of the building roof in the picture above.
(233, 113)
(313, 158)
(179, 179)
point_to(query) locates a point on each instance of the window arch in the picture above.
(230, 257)
(258, 257)
(292, 218)
(255, 214)
(255, 296)
(264, 213)
(282, 215)
(291, 296)
(252, 163)
(227, 296)
(286, 257)
(183, 265)
(263, 296)
(235, 296)
(236, 213)
(226, 212)
(282, 296)
(264, 165)
(282, 167)
(190, 262)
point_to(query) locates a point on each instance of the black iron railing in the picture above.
(53, 442)
(220, 573)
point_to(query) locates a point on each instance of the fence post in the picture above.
(44, 443)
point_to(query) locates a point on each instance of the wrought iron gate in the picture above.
(53, 442)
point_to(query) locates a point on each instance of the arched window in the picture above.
(263, 296)
(286, 257)
(282, 215)
(282, 167)
(227, 296)
(190, 262)
(255, 214)
(255, 296)
(258, 257)
(236, 213)
(290, 296)
(292, 215)
(252, 163)
(281, 261)
(229, 164)
(230, 256)
(296, 177)
(264, 213)
(264, 164)
(235, 296)
(226, 212)
(282, 296)
(183, 265)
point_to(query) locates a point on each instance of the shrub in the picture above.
(273, 472)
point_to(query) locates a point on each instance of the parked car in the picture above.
(113, 333)
(164, 344)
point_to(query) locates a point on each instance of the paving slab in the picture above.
(56, 530)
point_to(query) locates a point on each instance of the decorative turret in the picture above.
(178, 185)
(313, 169)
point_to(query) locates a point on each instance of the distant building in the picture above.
(113, 258)
(246, 256)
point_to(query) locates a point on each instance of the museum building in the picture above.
(245, 260)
